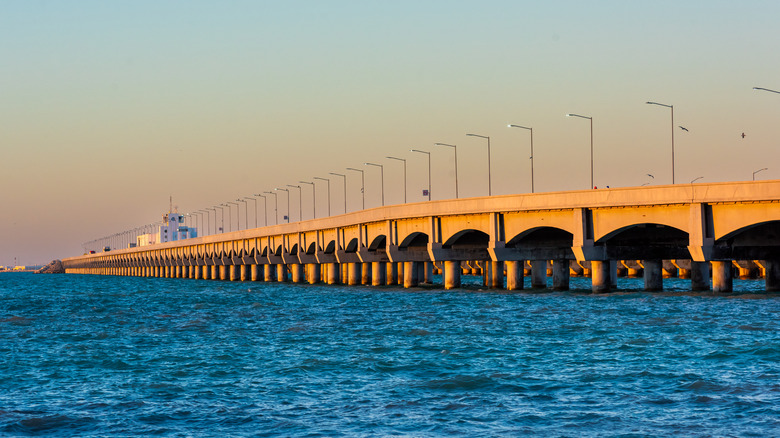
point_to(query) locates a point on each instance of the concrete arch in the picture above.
(653, 232)
(541, 235)
(414, 239)
(468, 237)
(765, 233)
(352, 245)
(379, 241)
(608, 222)
(330, 247)
(727, 220)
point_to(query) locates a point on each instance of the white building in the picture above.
(170, 230)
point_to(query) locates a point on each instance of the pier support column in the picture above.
(538, 274)
(197, 273)
(427, 272)
(223, 272)
(297, 272)
(365, 274)
(243, 272)
(496, 279)
(653, 275)
(254, 272)
(772, 275)
(410, 274)
(236, 273)
(281, 273)
(392, 273)
(451, 274)
(514, 274)
(400, 270)
(722, 280)
(334, 269)
(214, 270)
(268, 273)
(353, 274)
(205, 272)
(378, 274)
(314, 274)
(560, 274)
(600, 277)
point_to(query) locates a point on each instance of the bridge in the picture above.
(696, 231)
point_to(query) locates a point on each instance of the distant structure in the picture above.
(170, 230)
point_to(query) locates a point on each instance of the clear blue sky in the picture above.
(108, 108)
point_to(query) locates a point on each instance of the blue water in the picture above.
(120, 356)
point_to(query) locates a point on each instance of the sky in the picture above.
(108, 108)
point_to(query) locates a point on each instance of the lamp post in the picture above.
(671, 107)
(490, 190)
(362, 184)
(345, 188)
(313, 198)
(238, 213)
(401, 159)
(276, 207)
(246, 212)
(532, 151)
(288, 201)
(245, 206)
(328, 180)
(759, 170)
(300, 201)
(429, 169)
(766, 89)
(265, 208)
(591, 144)
(221, 208)
(456, 164)
(382, 176)
(230, 212)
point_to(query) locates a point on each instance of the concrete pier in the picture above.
(700, 276)
(560, 275)
(313, 274)
(722, 279)
(378, 274)
(514, 274)
(600, 276)
(772, 275)
(451, 274)
(539, 274)
(653, 275)
(410, 274)
(281, 273)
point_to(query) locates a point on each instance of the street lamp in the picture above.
(456, 164)
(429, 169)
(288, 202)
(265, 208)
(245, 208)
(759, 170)
(671, 107)
(345, 188)
(382, 173)
(401, 159)
(328, 180)
(300, 201)
(313, 198)
(362, 184)
(221, 208)
(238, 213)
(490, 190)
(532, 151)
(591, 144)
(246, 213)
(766, 89)
(276, 207)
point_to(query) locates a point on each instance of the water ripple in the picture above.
(98, 356)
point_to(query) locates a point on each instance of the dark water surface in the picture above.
(120, 356)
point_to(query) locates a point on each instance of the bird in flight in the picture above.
(743, 135)
(651, 176)
(684, 128)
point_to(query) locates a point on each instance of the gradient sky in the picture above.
(107, 108)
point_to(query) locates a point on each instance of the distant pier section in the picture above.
(706, 232)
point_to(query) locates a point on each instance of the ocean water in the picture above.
(120, 356)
